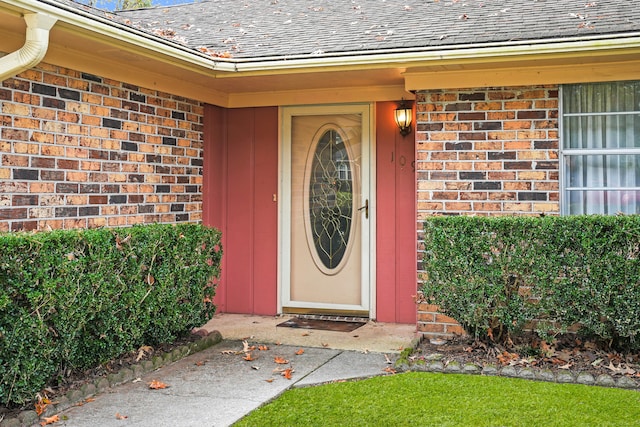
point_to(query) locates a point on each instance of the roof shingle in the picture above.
(253, 29)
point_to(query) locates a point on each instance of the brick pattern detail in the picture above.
(490, 151)
(82, 151)
(433, 324)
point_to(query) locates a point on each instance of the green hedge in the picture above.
(496, 275)
(71, 300)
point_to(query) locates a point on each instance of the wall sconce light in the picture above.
(403, 115)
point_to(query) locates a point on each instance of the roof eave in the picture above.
(415, 57)
(485, 52)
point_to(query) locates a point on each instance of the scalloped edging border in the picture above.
(434, 363)
(102, 384)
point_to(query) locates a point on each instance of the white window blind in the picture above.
(600, 137)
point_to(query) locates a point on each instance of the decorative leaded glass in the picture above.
(331, 199)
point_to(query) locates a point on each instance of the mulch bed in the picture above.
(568, 354)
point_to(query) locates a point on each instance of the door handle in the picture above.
(366, 208)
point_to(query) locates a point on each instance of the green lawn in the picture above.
(431, 399)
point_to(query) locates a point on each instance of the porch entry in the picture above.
(326, 210)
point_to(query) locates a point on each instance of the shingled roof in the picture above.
(253, 29)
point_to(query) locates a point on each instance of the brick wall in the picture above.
(484, 152)
(78, 150)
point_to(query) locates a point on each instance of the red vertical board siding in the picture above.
(265, 229)
(406, 240)
(213, 188)
(396, 218)
(385, 214)
(241, 176)
(239, 211)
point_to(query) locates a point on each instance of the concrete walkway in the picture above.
(217, 386)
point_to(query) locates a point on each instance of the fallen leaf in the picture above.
(505, 357)
(263, 348)
(50, 420)
(89, 400)
(119, 416)
(137, 380)
(566, 366)
(287, 373)
(269, 380)
(143, 351)
(547, 349)
(255, 367)
(157, 385)
(120, 242)
(390, 370)
(627, 371)
(305, 334)
(200, 363)
(589, 345)
(613, 368)
(386, 359)
(280, 360)
(41, 404)
(245, 346)
(248, 357)
(229, 352)
(299, 352)
(565, 354)
(614, 357)
(325, 344)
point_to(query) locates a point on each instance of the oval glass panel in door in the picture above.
(330, 199)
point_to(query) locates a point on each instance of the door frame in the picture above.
(368, 255)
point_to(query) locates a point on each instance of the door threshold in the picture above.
(327, 314)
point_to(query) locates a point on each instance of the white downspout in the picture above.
(34, 49)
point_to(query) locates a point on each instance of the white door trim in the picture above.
(368, 254)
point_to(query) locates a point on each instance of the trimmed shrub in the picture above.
(496, 275)
(71, 300)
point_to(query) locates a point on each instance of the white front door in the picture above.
(326, 210)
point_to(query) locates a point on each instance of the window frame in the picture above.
(566, 153)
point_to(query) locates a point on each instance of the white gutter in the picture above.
(34, 48)
(506, 50)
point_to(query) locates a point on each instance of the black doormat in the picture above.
(322, 324)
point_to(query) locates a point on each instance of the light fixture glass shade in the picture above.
(403, 116)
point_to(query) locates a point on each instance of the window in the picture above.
(600, 134)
